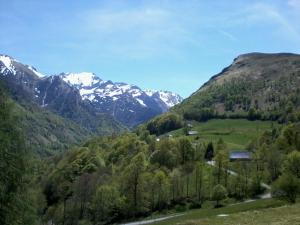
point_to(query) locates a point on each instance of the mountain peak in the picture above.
(82, 79)
(8, 65)
(127, 103)
(259, 55)
(169, 98)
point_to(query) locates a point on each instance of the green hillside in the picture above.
(236, 133)
(254, 86)
(47, 133)
(262, 212)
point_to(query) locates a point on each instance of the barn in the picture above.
(240, 156)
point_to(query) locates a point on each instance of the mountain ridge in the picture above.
(127, 104)
(260, 84)
(109, 97)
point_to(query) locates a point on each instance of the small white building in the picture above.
(193, 132)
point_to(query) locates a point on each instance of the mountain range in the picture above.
(255, 86)
(127, 103)
(83, 102)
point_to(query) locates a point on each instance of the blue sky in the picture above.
(172, 45)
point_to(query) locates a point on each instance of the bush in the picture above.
(286, 187)
(219, 193)
(165, 123)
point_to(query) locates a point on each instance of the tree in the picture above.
(186, 150)
(288, 184)
(176, 184)
(221, 160)
(292, 164)
(219, 193)
(165, 123)
(274, 160)
(82, 191)
(165, 155)
(209, 153)
(199, 182)
(160, 190)
(135, 183)
(252, 115)
(16, 199)
(187, 171)
(286, 187)
(106, 202)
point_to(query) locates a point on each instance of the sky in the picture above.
(174, 45)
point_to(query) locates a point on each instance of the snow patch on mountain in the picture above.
(35, 71)
(92, 88)
(169, 98)
(84, 79)
(141, 102)
(8, 65)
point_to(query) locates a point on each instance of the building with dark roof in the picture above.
(240, 156)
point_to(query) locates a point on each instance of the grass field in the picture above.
(259, 212)
(283, 215)
(236, 133)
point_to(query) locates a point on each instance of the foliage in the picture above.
(164, 123)
(234, 93)
(209, 153)
(286, 187)
(17, 200)
(219, 193)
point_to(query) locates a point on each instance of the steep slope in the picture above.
(54, 116)
(255, 85)
(126, 103)
(52, 93)
(47, 133)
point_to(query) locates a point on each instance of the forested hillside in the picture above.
(18, 200)
(254, 86)
(47, 133)
(111, 179)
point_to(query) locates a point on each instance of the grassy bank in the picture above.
(236, 133)
(210, 215)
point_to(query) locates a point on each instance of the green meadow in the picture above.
(256, 212)
(236, 133)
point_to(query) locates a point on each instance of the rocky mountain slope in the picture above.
(54, 114)
(126, 103)
(55, 95)
(255, 86)
(79, 100)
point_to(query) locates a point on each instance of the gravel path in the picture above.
(153, 220)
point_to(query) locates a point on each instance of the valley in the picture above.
(99, 152)
(150, 112)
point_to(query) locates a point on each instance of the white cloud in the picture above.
(268, 14)
(294, 4)
(138, 32)
(109, 21)
(228, 35)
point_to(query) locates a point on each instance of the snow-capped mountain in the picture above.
(27, 86)
(76, 95)
(127, 103)
(11, 65)
(169, 98)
